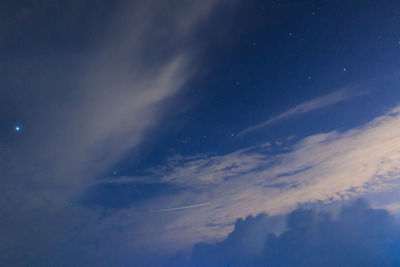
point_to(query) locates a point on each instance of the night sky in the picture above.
(200, 133)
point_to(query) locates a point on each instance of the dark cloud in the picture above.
(357, 236)
(245, 242)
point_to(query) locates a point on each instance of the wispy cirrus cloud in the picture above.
(92, 108)
(309, 106)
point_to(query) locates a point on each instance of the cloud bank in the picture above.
(357, 236)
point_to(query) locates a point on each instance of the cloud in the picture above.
(323, 168)
(358, 236)
(308, 106)
(96, 86)
(83, 110)
(320, 169)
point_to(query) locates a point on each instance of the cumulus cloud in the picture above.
(357, 236)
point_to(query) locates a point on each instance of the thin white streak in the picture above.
(186, 207)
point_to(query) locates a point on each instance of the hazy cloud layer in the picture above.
(82, 104)
(82, 111)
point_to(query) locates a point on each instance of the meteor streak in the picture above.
(186, 207)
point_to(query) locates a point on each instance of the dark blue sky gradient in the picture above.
(257, 61)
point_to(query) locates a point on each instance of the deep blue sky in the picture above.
(260, 58)
(137, 128)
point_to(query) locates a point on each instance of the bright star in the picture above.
(18, 128)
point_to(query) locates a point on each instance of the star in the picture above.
(17, 128)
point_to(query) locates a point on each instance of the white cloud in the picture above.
(321, 168)
(324, 168)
